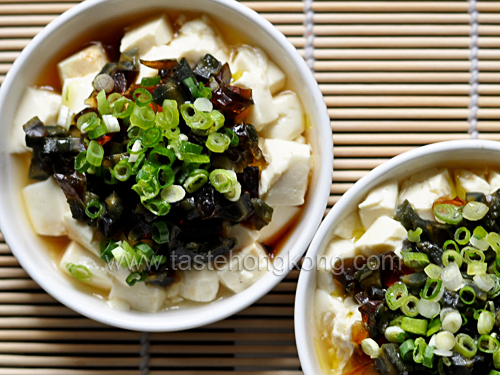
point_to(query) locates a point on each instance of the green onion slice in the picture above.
(195, 180)
(162, 156)
(462, 236)
(79, 272)
(434, 326)
(94, 209)
(135, 277)
(467, 295)
(217, 142)
(416, 326)
(143, 117)
(235, 140)
(406, 350)
(396, 295)
(486, 322)
(165, 176)
(465, 345)
(173, 193)
(414, 236)
(432, 289)
(151, 137)
(471, 254)
(409, 307)
(446, 246)
(81, 163)
(106, 249)
(223, 180)
(102, 104)
(475, 211)
(123, 108)
(418, 352)
(150, 81)
(99, 131)
(488, 344)
(122, 170)
(160, 232)
(451, 256)
(142, 97)
(448, 213)
(95, 154)
(157, 206)
(147, 189)
(415, 260)
(428, 356)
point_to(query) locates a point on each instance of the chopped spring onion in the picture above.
(159, 155)
(199, 91)
(113, 97)
(142, 97)
(393, 334)
(428, 356)
(143, 117)
(409, 307)
(79, 272)
(448, 213)
(480, 233)
(147, 189)
(189, 147)
(434, 326)
(106, 247)
(157, 206)
(496, 359)
(488, 344)
(445, 340)
(416, 326)
(494, 241)
(433, 271)
(136, 148)
(151, 137)
(475, 211)
(195, 180)
(125, 255)
(224, 181)
(111, 123)
(428, 308)
(160, 232)
(234, 194)
(134, 132)
(471, 254)
(462, 236)
(102, 103)
(218, 142)
(173, 193)
(406, 350)
(135, 277)
(484, 282)
(218, 120)
(496, 289)
(467, 295)
(195, 119)
(494, 372)
(235, 141)
(95, 154)
(414, 236)
(189, 157)
(144, 252)
(415, 260)
(432, 289)
(370, 347)
(123, 108)
(451, 320)
(447, 244)
(94, 209)
(203, 105)
(150, 81)
(418, 352)
(122, 170)
(451, 256)
(99, 131)
(465, 345)
(486, 322)
(88, 121)
(473, 268)
(165, 176)
(81, 163)
(452, 277)
(168, 120)
(443, 353)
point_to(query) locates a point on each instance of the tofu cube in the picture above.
(290, 123)
(34, 102)
(381, 201)
(147, 35)
(199, 285)
(79, 256)
(494, 181)
(470, 182)
(46, 205)
(284, 181)
(385, 234)
(87, 236)
(244, 268)
(423, 188)
(349, 227)
(283, 217)
(76, 91)
(244, 236)
(140, 297)
(275, 78)
(331, 261)
(89, 60)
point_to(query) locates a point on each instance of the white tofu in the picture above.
(385, 234)
(79, 256)
(275, 78)
(199, 285)
(244, 236)
(263, 112)
(140, 297)
(87, 236)
(89, 60)
(290, 123)
(46, 205)
(196, 38)
(337, 250)
(118, 304)
(244, 268)
(76, 91)
(381, 201)
(282, 217)
(349, 227)
(300, 139)
(471, 182)
(423, 188)
(34, 102)
(494, 181)
(147, 35)
(156, 53)
(284, 181)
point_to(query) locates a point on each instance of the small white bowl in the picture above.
(467, 152)
(29, 248)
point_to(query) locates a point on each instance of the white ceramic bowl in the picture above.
(468, 152)
(28, 247)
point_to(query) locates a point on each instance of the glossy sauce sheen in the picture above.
(110, 36)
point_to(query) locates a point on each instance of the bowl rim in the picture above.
(307, 352)
(321, 191)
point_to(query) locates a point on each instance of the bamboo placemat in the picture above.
(395, 74)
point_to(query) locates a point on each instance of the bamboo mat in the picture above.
(395, 75)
